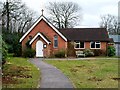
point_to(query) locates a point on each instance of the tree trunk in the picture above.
(7, 10)
(24, 26)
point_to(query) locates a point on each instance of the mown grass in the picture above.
(19, 73)
(89, 73)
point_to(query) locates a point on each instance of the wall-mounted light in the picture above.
(44, 45)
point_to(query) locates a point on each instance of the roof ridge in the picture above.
(83, 28)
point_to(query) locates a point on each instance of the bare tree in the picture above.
(17, 15)
(111, 23)
(64, 14)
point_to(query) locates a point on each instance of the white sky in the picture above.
(91, 9)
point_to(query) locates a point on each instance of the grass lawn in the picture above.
(19, 73)
(89, 73)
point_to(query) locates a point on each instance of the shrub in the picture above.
(98, 52)
(29, 53)
(27, 44)
(3, 50)
(17, 47)
(12, 41)
(18, 50)
(10, 48)
(71, 50)
(111, 51)
(60, 54)
(88, 52)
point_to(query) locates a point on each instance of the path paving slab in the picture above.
(51, 77)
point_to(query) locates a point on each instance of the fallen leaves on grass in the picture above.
(80, 66)
(13, 72)
(9, 80)
(90, 71)
(74, 69)
(94, 79)
(116, 79)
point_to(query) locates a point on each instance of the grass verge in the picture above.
(19, 73)
(90, 73)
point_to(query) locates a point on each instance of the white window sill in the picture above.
(95, 48)
(79, 48)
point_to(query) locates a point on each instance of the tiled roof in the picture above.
(85, 34)
(111, 40)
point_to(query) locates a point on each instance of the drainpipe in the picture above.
(107, 49)
(66, 49)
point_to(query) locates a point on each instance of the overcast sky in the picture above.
(91, 9)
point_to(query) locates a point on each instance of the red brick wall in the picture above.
(43, 27)
(71, 49)
(103, 45)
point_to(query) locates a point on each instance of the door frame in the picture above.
(39, 47)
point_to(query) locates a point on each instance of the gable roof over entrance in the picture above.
(42, 17)
(42, 36)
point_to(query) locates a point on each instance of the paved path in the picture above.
(51, 77)
(80, 58)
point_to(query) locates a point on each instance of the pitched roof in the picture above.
(111, 40)
(85, 34)
(36, 22)
(116, 38)
(42, 36)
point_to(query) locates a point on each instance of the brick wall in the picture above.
(43, 27)
(87, 46)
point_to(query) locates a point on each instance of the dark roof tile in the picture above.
(85, 34)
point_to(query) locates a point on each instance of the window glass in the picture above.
(95, 44)
(30, 37)
(55, 41)
(79, 45)
(92, 44)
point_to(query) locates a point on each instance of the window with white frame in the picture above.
(79, 45)
(95, 45)
(55, 41)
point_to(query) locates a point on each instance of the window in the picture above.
(55, 41)
(92, 44)
(95, 45)
(79, 45)
(30, 37)
(38, 37)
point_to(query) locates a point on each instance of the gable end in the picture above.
(42, 17)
